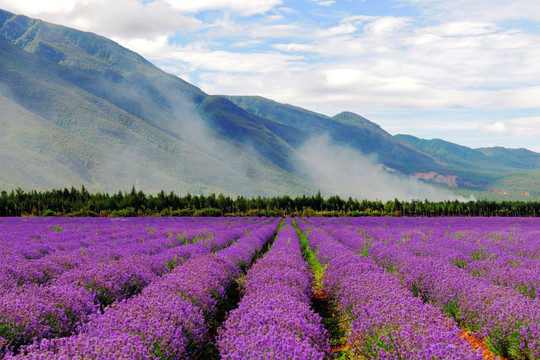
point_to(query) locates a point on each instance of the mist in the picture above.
(338, 170)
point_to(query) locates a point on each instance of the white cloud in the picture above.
(489, 10)
(274, 30)
(358, 19)
(240, 6)
(385, 26)
(520, 127)
(325, 3)
(202, 58)
(121, 19)
(461, 28)
(294, 47)
(432, 125)
(341, 29)
(38, 7)
(340, 170)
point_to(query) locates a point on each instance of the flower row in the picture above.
(59, 308)
(385, 320)
(508, 321)
(274, 319)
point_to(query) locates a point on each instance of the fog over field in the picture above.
(347, 172)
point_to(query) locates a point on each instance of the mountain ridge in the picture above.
(108, 118)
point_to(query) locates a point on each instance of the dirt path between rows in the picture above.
(478, 343)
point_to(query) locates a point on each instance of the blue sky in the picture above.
(464, 71)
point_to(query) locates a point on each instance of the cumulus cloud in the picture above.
(243, 7)
(386, 25)
(520, 127)
(461, 28)
(341, 29)
(325, 3)
(490, 10)
(119, 19)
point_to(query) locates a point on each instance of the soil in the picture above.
(478, 343)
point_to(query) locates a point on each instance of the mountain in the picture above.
(477, 167)
(489, 159)
(345, 128)
(435, 161)
(79, 109)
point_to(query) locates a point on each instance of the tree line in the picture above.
(80, 202)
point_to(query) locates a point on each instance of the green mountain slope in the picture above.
(104, 146)
(79, 109)
(436, 161)
(493, 159)
(496, 169)
(346, 129)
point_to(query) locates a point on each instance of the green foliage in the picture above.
(79, 202)
(127, 212)
(208, 212)
(371, 345)
(311, 258)
(460, 263)
(182, 212)
(528, 289)
(478, 254)
(171, 264)
(85, 212)
(505, 342)
(48, 212)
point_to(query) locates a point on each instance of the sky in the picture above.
(466, 71)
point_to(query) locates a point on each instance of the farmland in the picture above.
(280, 288)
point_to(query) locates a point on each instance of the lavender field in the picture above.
(269, 288)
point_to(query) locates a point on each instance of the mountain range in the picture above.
(79, 109)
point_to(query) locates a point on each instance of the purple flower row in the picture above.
(518, 273)
(506, 257)
(35, 312)
(509, 322)
(385, 320)
(81, 248)
(65, 265)
(37, 237)
(168, 320)
(274, 319)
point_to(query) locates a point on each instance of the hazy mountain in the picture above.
(79, 109)
(346, 129)
(87, 111)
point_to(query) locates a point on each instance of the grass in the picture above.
(322, 304)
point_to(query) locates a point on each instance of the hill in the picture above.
(79, 109)
(89, 112)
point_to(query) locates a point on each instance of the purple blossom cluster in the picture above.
(274, 319)
(86, 283)
(436, 262)
(385, 320)
(149, 288)
(44, 253)
(521, 274)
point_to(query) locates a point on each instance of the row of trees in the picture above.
(80, 202)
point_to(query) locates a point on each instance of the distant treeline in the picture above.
(80, 202)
